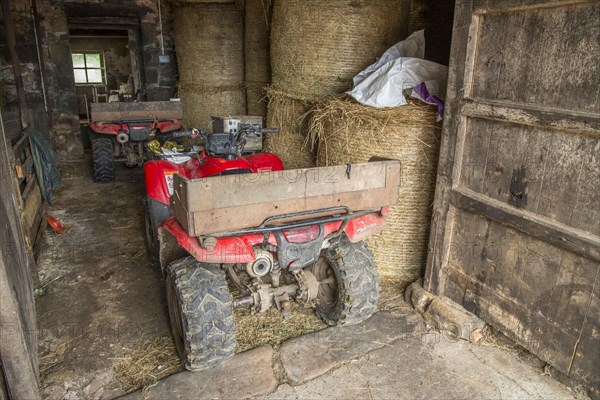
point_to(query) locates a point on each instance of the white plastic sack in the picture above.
(412, 46)
(382, 84)
(383, 87)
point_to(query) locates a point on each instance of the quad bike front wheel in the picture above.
(348, 283)
(201, 313)
(103, 159)
(151, 239)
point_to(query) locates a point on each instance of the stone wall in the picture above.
(53, 19)
(35, 114)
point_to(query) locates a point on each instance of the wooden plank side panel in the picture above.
(232, 202)
(18, 341)
(541, 295)
(535, 169)
(237, 190)
(106, 112)
(546, 61)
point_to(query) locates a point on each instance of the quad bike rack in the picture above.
(221, 205)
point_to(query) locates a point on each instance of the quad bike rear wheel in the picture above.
(348, 283)
(103, 159)
(201, 313)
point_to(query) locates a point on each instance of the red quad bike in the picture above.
(121, 131)
(279, 236)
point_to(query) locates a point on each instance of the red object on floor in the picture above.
(55, 224)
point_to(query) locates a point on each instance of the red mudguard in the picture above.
(233, 250)
(115, 128)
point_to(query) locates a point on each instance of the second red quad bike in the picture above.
(280, 235)
(121, 132)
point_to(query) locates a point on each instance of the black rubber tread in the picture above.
(152, 244)
(206, 313)
(103, 160)
(358, 283)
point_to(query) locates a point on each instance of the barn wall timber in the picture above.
(52, 20)
(516, 225)
(22, 22)
(18, 329)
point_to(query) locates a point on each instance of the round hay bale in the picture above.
(317, 47)
(256, 98)
(349, 132)
(209, 40)
(291, 144)
(200, 105)
(256, 49)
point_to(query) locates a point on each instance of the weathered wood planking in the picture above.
(30, 201)
(225, 203)
(516, 224)
(106, 112)
(18, 344)
(494, 271)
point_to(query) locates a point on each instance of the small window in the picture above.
(88, 67)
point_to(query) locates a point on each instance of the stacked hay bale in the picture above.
(349, 132)
(209, 40)
(256, 51)
(317, 47)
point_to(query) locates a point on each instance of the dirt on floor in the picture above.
(101, 311)
(99, 296)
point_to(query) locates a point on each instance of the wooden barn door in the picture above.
(516, 225)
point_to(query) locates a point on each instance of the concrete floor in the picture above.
(99, 298)
(390, 356)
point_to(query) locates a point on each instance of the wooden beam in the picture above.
(106, 112)
(560, 235)
(11, 40)
(18, 331)
(577, 122)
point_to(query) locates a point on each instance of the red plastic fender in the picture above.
(238, 249)
(360, 228)
(159, 179)
(231, 250)
(168, 126)
(106, 129)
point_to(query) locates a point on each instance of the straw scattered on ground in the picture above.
(392, 293)
(146, 364)
(271, 328)
(51, 361)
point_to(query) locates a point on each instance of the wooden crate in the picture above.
(112, 112)
(226, 203)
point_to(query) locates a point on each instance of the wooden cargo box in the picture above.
(112, 112)
(226, 203)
